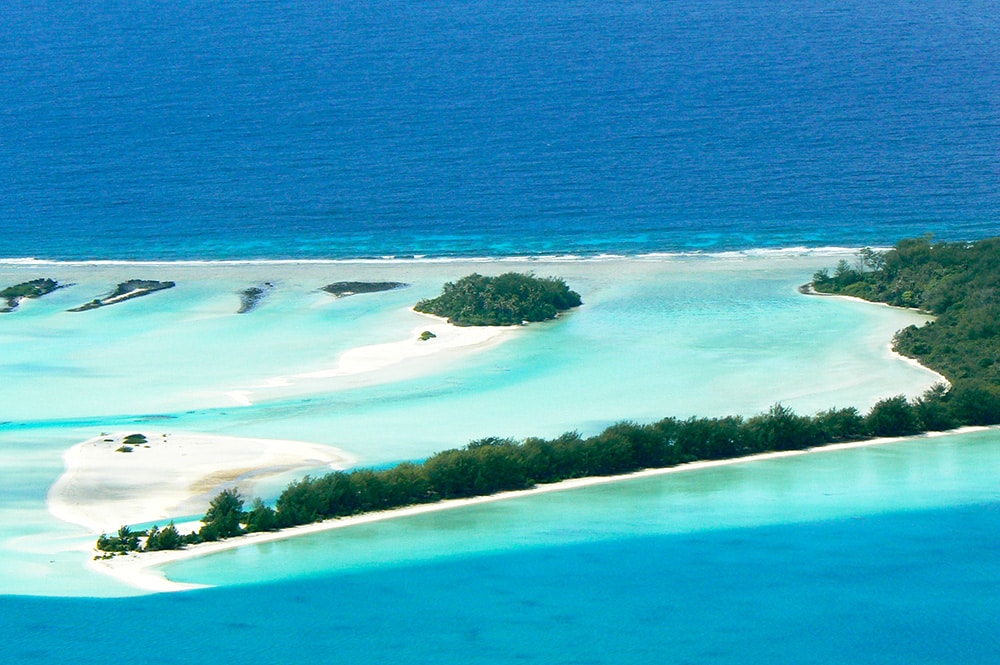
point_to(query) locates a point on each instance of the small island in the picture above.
(251, 297)
(133, 288)
(36, 288)
(344, 289)
(511, 299)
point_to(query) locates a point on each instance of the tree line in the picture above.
(506, 300)
(958, 282)
(494, 464)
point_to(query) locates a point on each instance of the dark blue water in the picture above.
(289, 129)
(898, 589)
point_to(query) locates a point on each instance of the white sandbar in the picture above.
(399, 357)
(171, 475)
(447, 338)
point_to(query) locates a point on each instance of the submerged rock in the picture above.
(344, 289)
(250, 297)
(36, 288)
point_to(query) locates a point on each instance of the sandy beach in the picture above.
(109, 482)
(940, 378)
(142, 571)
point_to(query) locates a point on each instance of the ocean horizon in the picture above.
(285, 131)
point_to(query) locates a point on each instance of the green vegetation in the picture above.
(223, 517)
(167, 538)
(494, 464)
(959, 283)
(344, 289)
(133, 288)
(126, 540)
(426, 335)
(36, 288)
(130, 442)
(508, 300)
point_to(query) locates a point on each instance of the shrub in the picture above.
(892, 416)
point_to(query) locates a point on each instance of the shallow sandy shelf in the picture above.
(171, 475)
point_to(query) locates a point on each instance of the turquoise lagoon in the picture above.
(657, 336)
(273, 130)
(881, 554)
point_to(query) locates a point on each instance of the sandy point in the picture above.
(433, 339)
(142, 571)
(140, 477)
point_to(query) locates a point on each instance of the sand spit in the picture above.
(142, 571)
(388, 361)
(110, 482)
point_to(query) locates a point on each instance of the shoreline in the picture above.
(142, 571)
(808, 290)
(164, 475)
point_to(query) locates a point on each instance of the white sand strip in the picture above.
(171, 475)
(448, 341)
(125, 296)
(447, 338)
(142, 570)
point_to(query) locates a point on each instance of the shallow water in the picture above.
(919, 474)
(343, 130)
(655, 338)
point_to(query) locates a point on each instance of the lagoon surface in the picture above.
(685, 166)
(655, 338)
(851, 554)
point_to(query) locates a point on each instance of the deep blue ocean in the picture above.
(276, 129)
(849, 591)
(279, 129)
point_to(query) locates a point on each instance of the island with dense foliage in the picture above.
(133, 288)
(958, 282)
(510, 299)
(36, 288)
